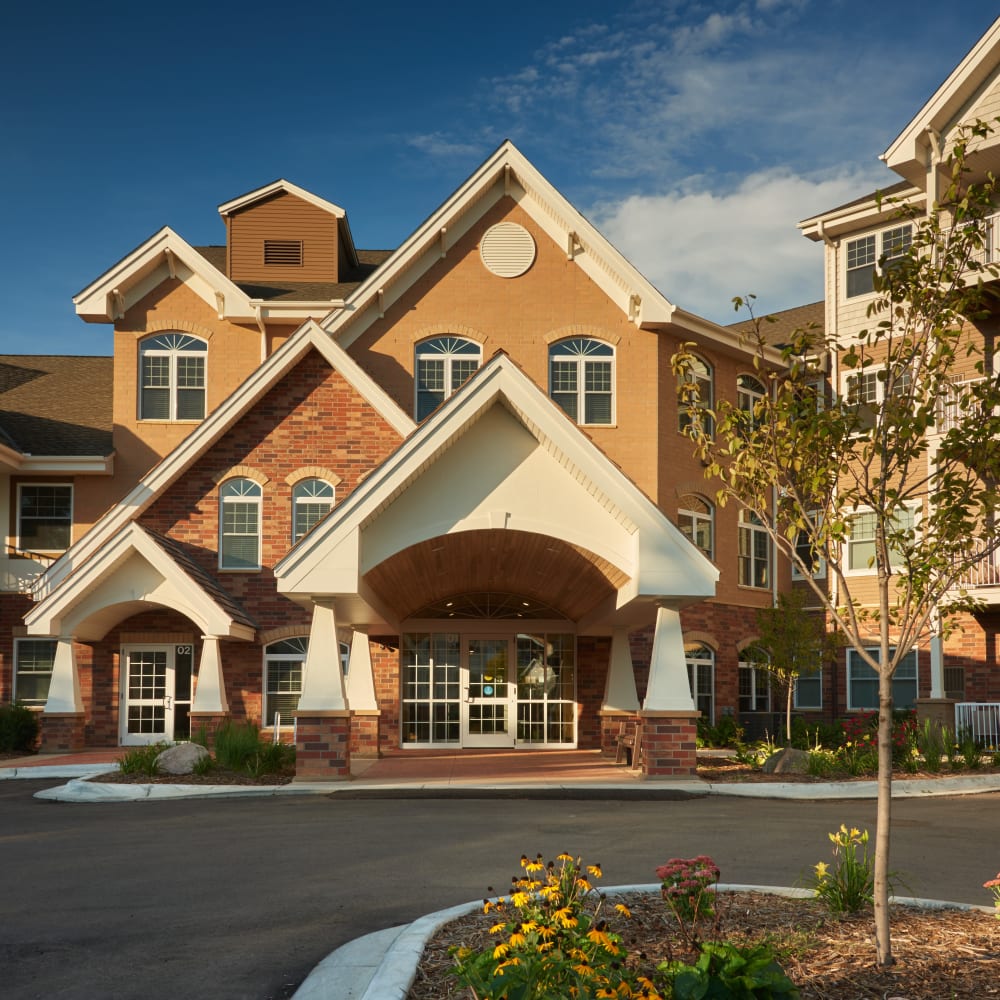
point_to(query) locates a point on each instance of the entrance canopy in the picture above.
(497, 492)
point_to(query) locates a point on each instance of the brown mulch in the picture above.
(717, 770)
(217, 776)
(939, 954)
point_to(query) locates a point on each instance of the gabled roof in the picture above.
(909, 152)
(164, 255)
(279, 186)
(55, 413)
(307, 338)
(657, 560)
(134, 562)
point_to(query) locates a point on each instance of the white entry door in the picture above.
(147, 695)
(489, 703)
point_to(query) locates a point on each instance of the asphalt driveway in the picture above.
(239, 899)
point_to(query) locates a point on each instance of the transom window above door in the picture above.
(440, 366)
(172, 377)
(582, 379)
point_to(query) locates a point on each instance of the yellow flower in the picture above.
(528, 926)
(623, 910)
(545, 932)
(497, 928)
(519, 899)
(603, 939)
(582, 883)
(516, 940)
(565, 917)
(821, 870)
(501, 949)
(594, 870)
(564, 857)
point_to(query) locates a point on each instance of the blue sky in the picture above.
(695, 135)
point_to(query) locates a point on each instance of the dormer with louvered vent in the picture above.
(282, 233)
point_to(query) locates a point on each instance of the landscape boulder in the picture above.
(787, 761)
(181, 759)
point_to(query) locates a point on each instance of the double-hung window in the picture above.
(754, 682)
(44, 517)
(700, 660)
(695, 518)
(441, 366)
(311, 502)
(33, 662)
(582, 379)
(284, 666)
(885, 250)
(862, 681)
(172, 377)
(749, 392)
(754, 551)
(239, 524)
(861, 540)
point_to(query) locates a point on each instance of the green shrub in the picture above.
(238, 747)
(970, 750)
(726, 733)
(824, 764)
(932, 740)
(18, 729)
(848, 886)
(727, 971)
(141, 760)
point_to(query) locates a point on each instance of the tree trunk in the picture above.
(788, 711)
(883, 944)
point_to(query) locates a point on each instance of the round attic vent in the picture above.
(507, 250)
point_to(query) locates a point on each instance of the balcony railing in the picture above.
(19, 570)
(985, 572)
(980, 720)
(949, 412)
(990, 253)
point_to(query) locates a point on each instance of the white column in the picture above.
(210, 689)
(668, 689)
(323, 683)
(937, 657)
(64, 688)
(360, 677)
(619, 689)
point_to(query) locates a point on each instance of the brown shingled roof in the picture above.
(304, 291)
(56, 405)
(785, 322)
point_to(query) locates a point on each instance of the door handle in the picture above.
(168, 701)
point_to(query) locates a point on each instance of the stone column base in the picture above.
(204, 724)
(365, 733)
(60, 732)
(669, 747)
(941, 712)
(322, 746)
(611, 727)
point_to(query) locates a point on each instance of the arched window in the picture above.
(754, 680)
(172, 377)
(696, 518)
(284, 664)
(582, 379)
(700, 659)
(691, 414)
(440, 366)
(239, 524)
(311, 502)
(749, 392)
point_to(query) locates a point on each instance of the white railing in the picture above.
(990, 253)
(984, 572)
(19, 570)
(980, 720)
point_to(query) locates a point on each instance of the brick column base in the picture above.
(611, 726)
(204, 724)
(322, 747)
(61, 731)
(668, 744)
(365, 733)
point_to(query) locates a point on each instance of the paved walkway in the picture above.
(381, 966)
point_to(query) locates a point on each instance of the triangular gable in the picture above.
(307, 338)
(163, 256)
(104, 592)
(658, 560)
(953, 102)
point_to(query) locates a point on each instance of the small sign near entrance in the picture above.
(487, 689)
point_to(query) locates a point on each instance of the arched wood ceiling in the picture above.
(569, 579)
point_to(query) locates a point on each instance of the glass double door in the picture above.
(155, 695)
(489, 705)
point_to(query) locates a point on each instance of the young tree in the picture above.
(791, 643)
(899, 477)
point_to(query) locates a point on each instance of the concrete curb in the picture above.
(383, 965)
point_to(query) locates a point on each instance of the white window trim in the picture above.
(297, 499)
(851, 653)
(421, 353)
(697, 516)
(760, 677)
(753, 530)
(819, 573)
(17, 645)
(706, 380)
(268, 721)
(580, 360)
(20, 533)
(880, 252)
(257, 498)
(693, 661)
(814, 675)
(913, 505)
(172, 386)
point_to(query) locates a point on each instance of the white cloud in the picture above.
(701, 248)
